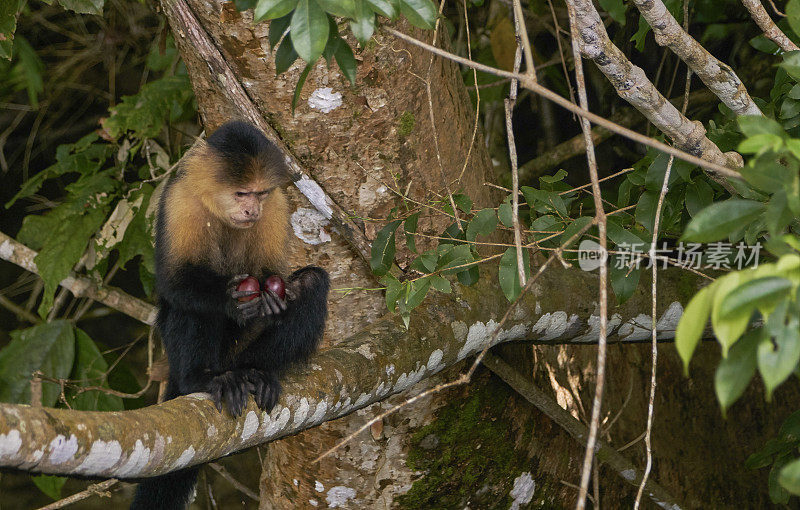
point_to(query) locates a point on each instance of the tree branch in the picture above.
(365, 368)
(765, 23)
(718, 76)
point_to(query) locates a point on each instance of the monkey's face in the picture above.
(243, 206)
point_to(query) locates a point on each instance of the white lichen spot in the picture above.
(628, 474)
(410, 379)
(102, 456)
(668, 322)
(211, 431)
(6, 250)
(314, 194)
(277, 423)
(339, 496)
(636, 329)
(480, 334)
(301, 413)
(593, 333)
(62, 449)
(551, 325)
(522, 493)
(250, 425)
(316, 367)
(319, 412)
(37, 455)
(185, 458)
(10, 443)
(137, 460)
(318, 486)
(313, 502)
(309, 226)
(363, 349)
(325, 100)
(295, 482)
(361, 400)
(434, 360)
(390, 370)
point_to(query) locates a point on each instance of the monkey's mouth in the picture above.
(246, 223)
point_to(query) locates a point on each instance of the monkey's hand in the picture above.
(242, 311)
(231, 388)
(266, 388)
(271, 304)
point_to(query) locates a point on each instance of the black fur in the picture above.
(242, 145)
(209, 347)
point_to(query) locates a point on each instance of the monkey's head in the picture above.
(242, 170)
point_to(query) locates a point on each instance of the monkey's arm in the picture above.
(290, 337)
(200, 290)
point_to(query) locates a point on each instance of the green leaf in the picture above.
(727, 329)
(752, 125)
(508, 273)
(658, 169)
(410, 228)
(384, 8)
(767, 174)
(83, 6)
(346, 60)
(463, 202)
(759, 293)
(285, 56)
(309, 29)
(416, 291)
(276, 30)
(427, 262)
(301, 80)
(573, 228)
(545, 201)
(421, 13)
(441, 284)
(789, 477)
(49, 348)
(145, 114)
(646, 210)
(383, 249)
(341, 8)
(692, 324)
(63, 250)
(699, 195)
(273, 9)
(90, 370)
(735, 372)
(28, 69)
(777, 361)
(625, 239)
(778, 216)
(9, 11)
(624, 280)
(483, 223)
(793, 15)
(720, 219)
(777, 493)
(393, 291)
(363, 23)
(616, 9)
(505, 214)
(455, 259)
(50, 485)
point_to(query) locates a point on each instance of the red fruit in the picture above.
(275, 284)
(249, 284)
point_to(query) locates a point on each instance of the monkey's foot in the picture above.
(232, 388)
(266, 388)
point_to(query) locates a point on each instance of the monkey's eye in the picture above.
(263, 193)
(240, 194)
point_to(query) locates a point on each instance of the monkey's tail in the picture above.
(166, 492)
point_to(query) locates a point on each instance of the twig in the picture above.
(95, 489)
(509, 103)
(239, 486)
(654, 292)
(600, 219)
(704, 146)
(19, 311)
(765, 23)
